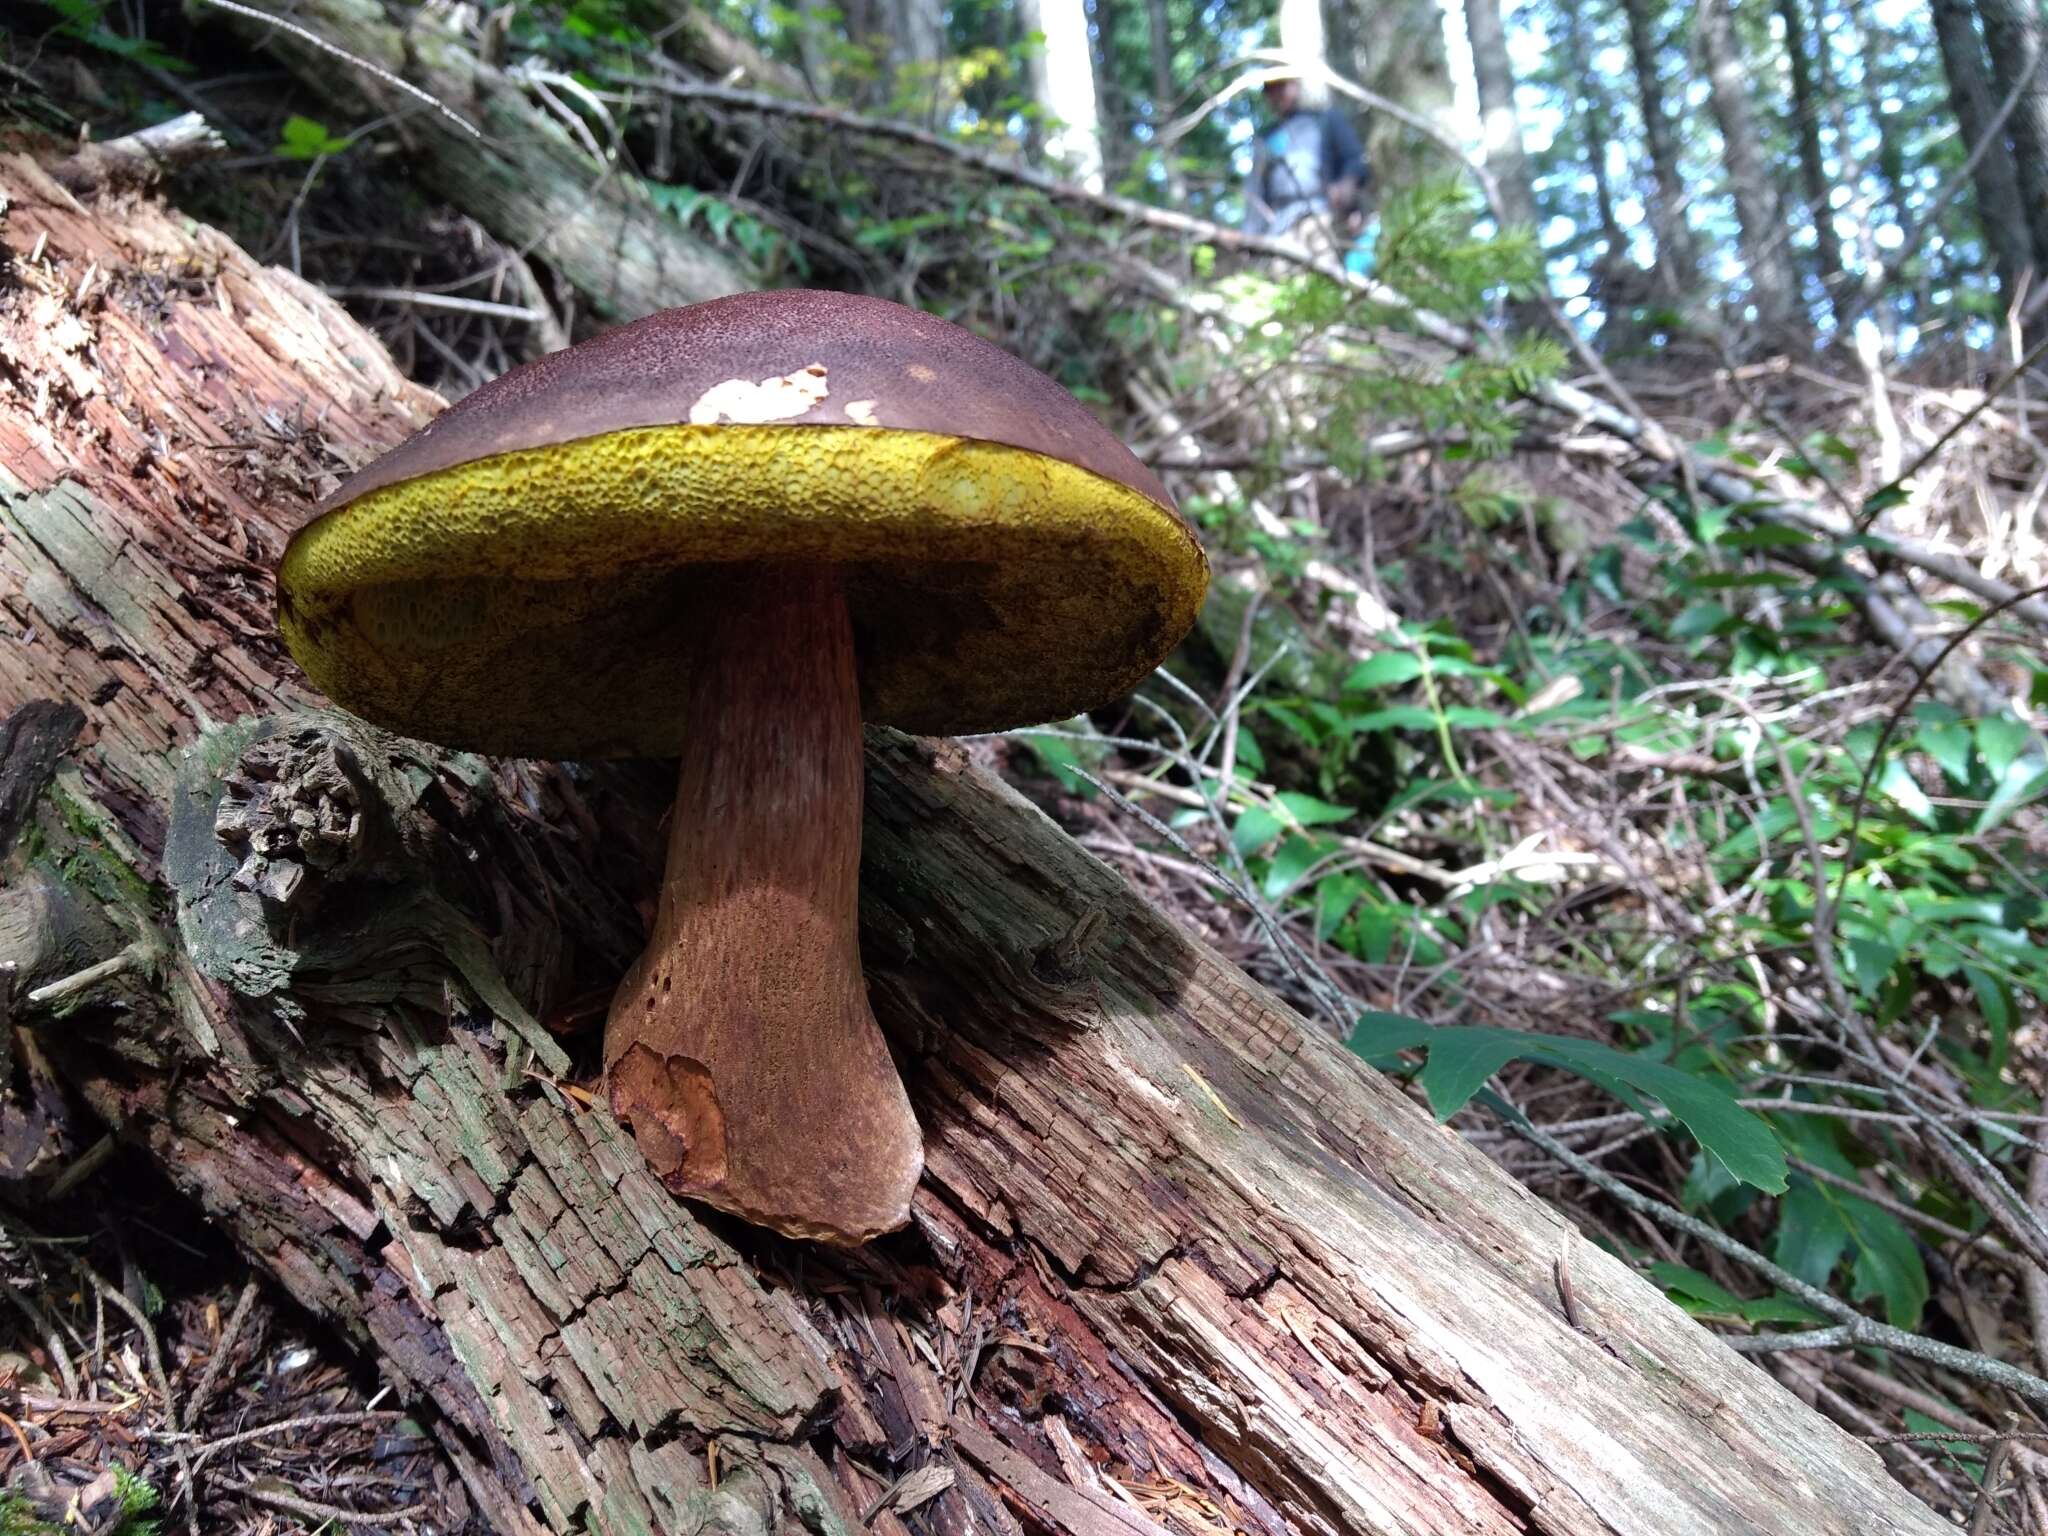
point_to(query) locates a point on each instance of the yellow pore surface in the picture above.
(538, 602)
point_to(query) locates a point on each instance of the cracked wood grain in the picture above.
(1178, 1261)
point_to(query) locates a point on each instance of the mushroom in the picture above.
(731, 533)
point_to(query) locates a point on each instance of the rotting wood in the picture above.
(139, 159)
(537, 177)
(1298, 1303)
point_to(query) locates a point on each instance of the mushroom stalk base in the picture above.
(740, 1047)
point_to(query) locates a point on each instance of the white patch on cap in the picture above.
(747, 402)
(861, 413)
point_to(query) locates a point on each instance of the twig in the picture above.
(450, 301)
(292, 1504)
(53, 1341)
(211, 1448)
(155, 1360)
(1781, 1343)
(1854, 1327)
(228, 1337)
(1873, 504)
(313, 39)
(1994, 1469)
(89, 978)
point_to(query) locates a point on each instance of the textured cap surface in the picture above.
(509, 582)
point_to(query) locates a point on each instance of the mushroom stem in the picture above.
(740, 1047)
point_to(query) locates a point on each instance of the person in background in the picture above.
(1306, 166)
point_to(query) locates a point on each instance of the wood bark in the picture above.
(1500, 125)
(1876, 91)
(1677, 255)
(1396, 50)
(1159, 30)
(1598, 132)
(2015, 34)
(1062, 73)
(1994, 182)
(1813, 170)
(528, 174)
(1773, 286)
(1179, 1262)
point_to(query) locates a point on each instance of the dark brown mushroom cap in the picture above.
(913, 371)
(515, 577)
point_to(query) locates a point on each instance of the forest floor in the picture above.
(135, 1340)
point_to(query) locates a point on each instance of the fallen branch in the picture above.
(530, 181)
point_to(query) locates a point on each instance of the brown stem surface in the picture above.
(740, 1046)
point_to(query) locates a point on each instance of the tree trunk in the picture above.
(1834, 101)
(1500, 126)
(1395, 48)
(526, 178)
(1164, 94)
(1677, 255)
(1813, 170)
(1597, 135)
(813, 43)
(2015, 35)
(1063, 84)
(1112, 109)
(1175, 1252)
(1773, 287)
(1999, 213)
(916, 51)
(1891, 151)
(1622, 289)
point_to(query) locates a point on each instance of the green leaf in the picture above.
(1699, 618)
(1458, 1068)
(1817, 1222)
(1779, 1308)
(1402, 717)
(1766, 536)
(1295, 857)
(1466, 717)
(1811, 1236)
(1898, 782)
(303, 138)
(1311, 812)
(1888, 1263)
(1384, 670)
(1683, 1284)
(2000, 740)
(1335, 897)
(1949, 744)
(1741, 1140)
(1255, 828)
(2024, 779)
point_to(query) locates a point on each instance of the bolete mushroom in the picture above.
(731, 532)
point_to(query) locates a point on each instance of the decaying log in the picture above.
(1179, 1262)
(528, 175)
